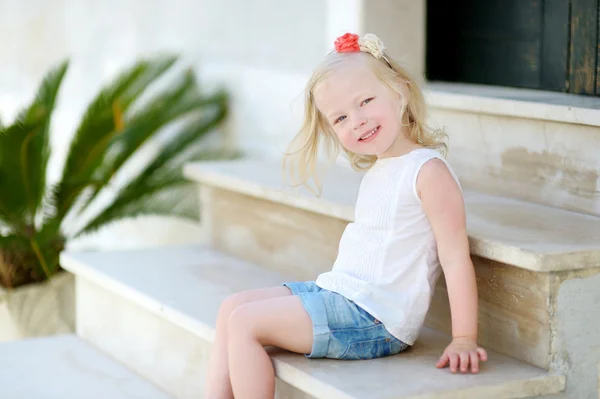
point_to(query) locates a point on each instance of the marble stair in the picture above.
(146, 318)
(536, 265)
(152, 312)
(155, 312)
(67, 367)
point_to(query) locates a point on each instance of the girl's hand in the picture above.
(462, 352)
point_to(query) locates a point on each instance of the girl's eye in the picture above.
(368, 100)
(341, 118)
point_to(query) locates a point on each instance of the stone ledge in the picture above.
(515, 102)
(526, 235)
(66, 367)
(185, 286)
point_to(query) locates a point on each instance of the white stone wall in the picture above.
(261, 50)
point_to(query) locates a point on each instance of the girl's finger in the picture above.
(482, 354)
(443, 362)
(453, 362)
(464, 361)
(474, 361)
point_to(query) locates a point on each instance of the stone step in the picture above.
(526, 144)
(522, 252)
(519, 233)
(155, 310)
(536, 105)
(67, 367)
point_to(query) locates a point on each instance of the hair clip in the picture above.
(369, 43)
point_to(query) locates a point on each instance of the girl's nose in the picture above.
(358, 120)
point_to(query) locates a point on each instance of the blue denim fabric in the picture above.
(342, 329)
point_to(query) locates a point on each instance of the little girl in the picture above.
(409, 224)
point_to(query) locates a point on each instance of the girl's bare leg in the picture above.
(281, 322)
(218, 383)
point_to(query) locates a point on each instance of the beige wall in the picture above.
(262, 50)
(401, 26)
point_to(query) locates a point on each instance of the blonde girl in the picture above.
(409, 225)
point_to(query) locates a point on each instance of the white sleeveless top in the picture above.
(387, 261)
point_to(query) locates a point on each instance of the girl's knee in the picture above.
(240, 322)
(230, 303)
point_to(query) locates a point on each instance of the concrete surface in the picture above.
(577, 341)
(515, 102)
(541, 161)
(522, 234)
(184, 287)
(66, 367)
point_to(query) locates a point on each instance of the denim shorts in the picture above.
(342, 329)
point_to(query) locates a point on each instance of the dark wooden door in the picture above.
(540, 44)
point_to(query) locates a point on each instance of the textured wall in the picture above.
(261, 50)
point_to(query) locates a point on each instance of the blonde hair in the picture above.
(300, 161)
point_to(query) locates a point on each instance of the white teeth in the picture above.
(366, 136)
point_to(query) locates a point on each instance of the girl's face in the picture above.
(363, 112)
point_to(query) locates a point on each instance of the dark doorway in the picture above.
(539, 44)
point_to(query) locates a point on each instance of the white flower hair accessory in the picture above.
(372, 45)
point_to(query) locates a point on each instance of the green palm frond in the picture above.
(168, 195)
(168, 199)
(116, 124)
(44, 101)
(34, 158)
(190, 133)
(160, 188)
(164, 108)
(47, 245)
(24, 153)
(16, 197)
(102, 121)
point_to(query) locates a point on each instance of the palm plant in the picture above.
(113, 128)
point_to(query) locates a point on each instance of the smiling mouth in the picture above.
(370, 134)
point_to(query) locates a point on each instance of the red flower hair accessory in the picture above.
(347, 43)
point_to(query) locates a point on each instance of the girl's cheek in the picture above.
(341, 137)
(348, 141)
